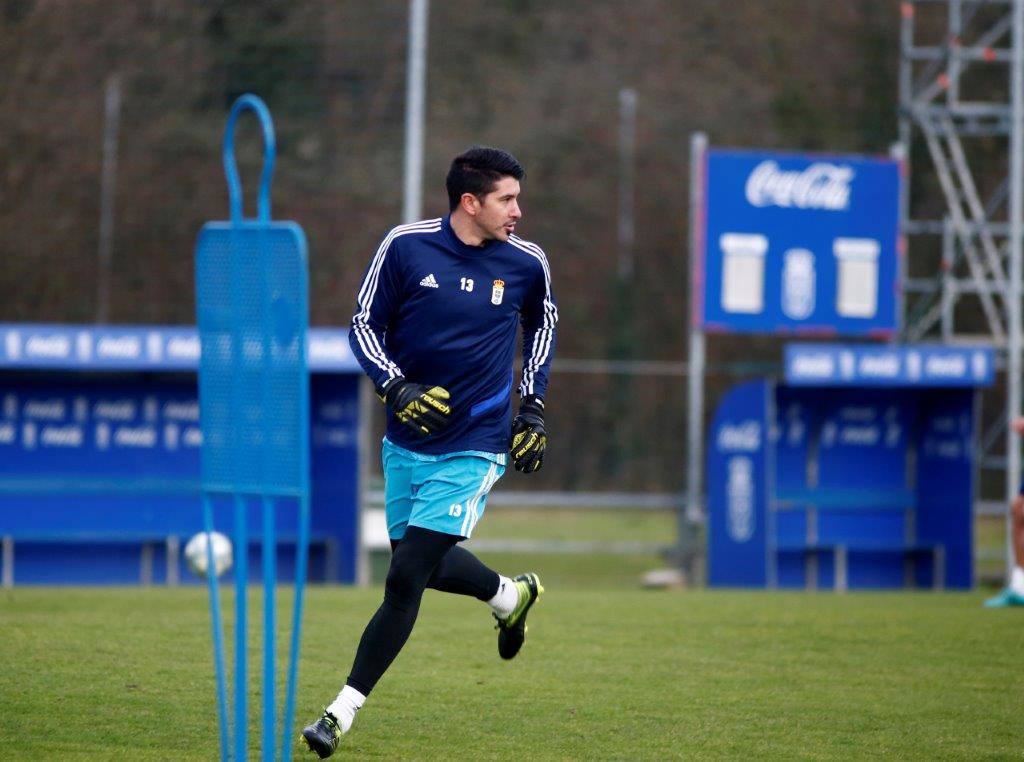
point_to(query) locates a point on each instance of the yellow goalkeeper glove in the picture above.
(529, 439)
(423, 408)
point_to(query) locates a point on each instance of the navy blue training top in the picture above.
(438, 311)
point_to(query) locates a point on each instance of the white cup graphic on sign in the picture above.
(857, 277)
(798, 284)
(743, 272)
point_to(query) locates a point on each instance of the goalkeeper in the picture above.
(435, 329)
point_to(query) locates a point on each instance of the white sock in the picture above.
(344, 707)
(506, 599)
(1017, 580)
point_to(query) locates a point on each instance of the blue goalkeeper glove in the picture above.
(529, 439)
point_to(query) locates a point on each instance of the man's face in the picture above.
(498, 212)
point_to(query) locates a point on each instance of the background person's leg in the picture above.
(1017, 530)
(1017, 540)
(1013, 593)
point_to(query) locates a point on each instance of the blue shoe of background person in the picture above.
(1005, 599)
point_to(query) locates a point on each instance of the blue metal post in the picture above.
(293, 658)
(241, 630)
(269, 577)
(218, 632)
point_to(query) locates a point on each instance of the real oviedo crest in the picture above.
(739, 493)
(498, 291)
(798, 287)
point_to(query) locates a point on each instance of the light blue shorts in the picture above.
(446, 493)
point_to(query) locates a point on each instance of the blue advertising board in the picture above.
(55, 346)
(906, 365)
(841, 487)
(798, 243)
(100, 445)
(104, 458)
(737, 488)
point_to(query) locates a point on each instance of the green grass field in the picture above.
(605, 674)
(659, 527)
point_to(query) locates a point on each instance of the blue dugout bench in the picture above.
(874, 509)
(99, 457)
(856, 472)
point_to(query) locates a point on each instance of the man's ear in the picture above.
(470, 204)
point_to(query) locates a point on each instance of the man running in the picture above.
(435, 329)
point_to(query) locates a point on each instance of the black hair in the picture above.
(477, 170)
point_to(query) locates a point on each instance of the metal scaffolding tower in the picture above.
(961, 129)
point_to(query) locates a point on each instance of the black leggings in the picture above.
(422, 558)
(462, 573)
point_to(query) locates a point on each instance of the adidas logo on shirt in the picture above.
(430, 281)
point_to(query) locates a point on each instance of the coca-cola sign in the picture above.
(740, 437)
(822, 185)
(790, 242)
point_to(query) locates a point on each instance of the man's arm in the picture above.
(539, 316)
(377, 301)
(423, 408)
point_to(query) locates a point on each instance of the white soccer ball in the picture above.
(195, 553)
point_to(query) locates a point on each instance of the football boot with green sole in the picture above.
(512, 629)
(322, 736)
